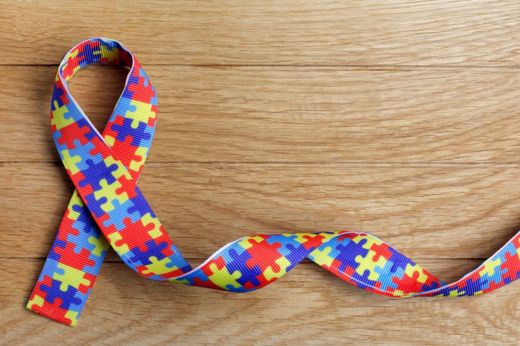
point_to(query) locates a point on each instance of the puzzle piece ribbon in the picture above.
(108, 209)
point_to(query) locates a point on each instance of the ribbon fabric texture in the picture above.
(108, 209)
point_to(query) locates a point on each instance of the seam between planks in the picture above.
(368, 67)
(396, 164)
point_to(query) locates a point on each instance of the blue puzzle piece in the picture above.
(139, 205)
(139, 134)
(96, 172)
(67, 297)
(399, 261)
(84, 222)
(388, 272)
(94, 205)
(238, 261)
(57, 95)
(296, 254)
(153, 249)
(346, 252)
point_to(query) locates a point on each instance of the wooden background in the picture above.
(394, 117)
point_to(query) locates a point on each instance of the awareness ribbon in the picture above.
(108, 209)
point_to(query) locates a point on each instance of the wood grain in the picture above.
(395, 117)
(313, 32)
(287, 114)
(307, 306)
(424, 211)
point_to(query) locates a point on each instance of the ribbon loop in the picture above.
(108, 209)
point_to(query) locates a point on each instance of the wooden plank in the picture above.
(395, 118)
(269, 32)
(308, 305)
(283, 114)
(424, 211)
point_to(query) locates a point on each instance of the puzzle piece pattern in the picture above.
(79, 246)
(108, 209)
